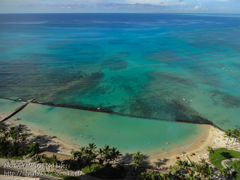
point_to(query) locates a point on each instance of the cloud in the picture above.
(132, 6)
(198, 6)
(138, 6)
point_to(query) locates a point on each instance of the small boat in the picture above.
(183, 99)
(167, 143)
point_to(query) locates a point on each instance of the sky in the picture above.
(120, 6)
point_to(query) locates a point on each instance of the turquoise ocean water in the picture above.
(134, 64)
(6, 107)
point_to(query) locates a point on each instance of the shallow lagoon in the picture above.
(126, 133)
(7, 106)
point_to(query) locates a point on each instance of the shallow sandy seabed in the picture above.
(198, 147)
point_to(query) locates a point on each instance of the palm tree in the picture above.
(174, 169)
(197, 168)
(206, 165)
(137, 157)
(107, 156)
(82, 149)
(238, 136)
(228, 133)
(100, 152)
(106, 148)
(92, 146)
(54, 159)
(88, 158)
(2, 127)
(223, 172)
(94, 157)
(210, 150)
(23, 138)
(193, 164)
(210, 172)
(113, 154)
(44, 160)
(36, 158)
(165, 176)
(202, 160)
(181, 164)
(19, 129)
(191, 175)
(152, 175)
(106, 153)
(144, 176)
(118, 154)
(235, 133)
(76, 155)
(137, 165)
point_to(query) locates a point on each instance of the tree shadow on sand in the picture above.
(43, 140)
(160, 163)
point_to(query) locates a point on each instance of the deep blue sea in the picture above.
(163, 66)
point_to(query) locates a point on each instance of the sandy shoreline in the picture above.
(197, 146)
(212, 137)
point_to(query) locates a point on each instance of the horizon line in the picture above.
(124, 13)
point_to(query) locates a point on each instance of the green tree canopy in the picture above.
(32, 149)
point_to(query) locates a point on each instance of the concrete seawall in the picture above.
(16, 110)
